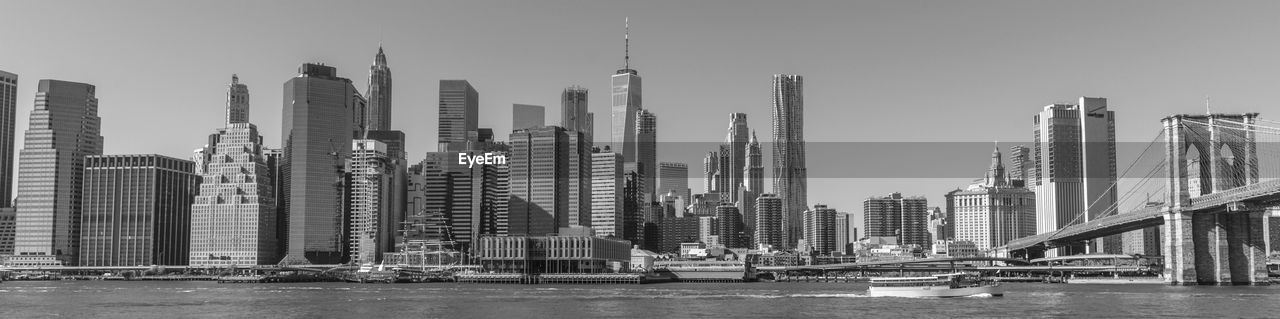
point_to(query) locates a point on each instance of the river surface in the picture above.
(202, 299)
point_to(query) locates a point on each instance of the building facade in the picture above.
(790, 177)
(459, 115)
(573, 111)
(64, 128)
(322, 114)
(673, 177)
(1075, 167)
(904, 219)
(606, 193)
(372, 215)
(991, 213)
(820, 229)
(729, 222)
(769, 217)
(8, 118)
(525, 116)
(137, 210)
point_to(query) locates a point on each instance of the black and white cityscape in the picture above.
(793, 159)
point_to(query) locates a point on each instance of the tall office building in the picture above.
(626, 84)
(710, 171)
(234, 217)
(539, 165)
(768, 230)
(752, 182)
(1020, 166)
(647, 151)
(790, 178)
(632, 205)
(673, 177)
(322, 114)
(573, 110)
(903, 220)
(64, 128)
(729, 222)
(378, 113)
(735, 166)
(1075, 167)
(274, 158)
(459, 115)
(237, 101)
(137, 210)
(372, 216)
(820, 229)
(524, 116)
(991, 213)
(606, 193)
(843, 232)
(459, 202)
(8, 117)
(579, 179)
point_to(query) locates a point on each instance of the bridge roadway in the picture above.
(1264, 193)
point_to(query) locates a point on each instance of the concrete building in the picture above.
(903, 218)
(820, 229)
(752, 183)
(993, 212)
(573, 111)
(378, 114)
(322, 114)
(790, 177)
(8, 118)
(676, 231)
(729, 222)
(525, 116)
(452, 202)
(234, 217)
(64, 129)
(769, 216)
(734, 155)
(137, 210)
(539, 164)
(1075, 167)
(373, 219)
(459, 116)
(606, 193)
(843, 232)
(1021, 166)
(647, 152)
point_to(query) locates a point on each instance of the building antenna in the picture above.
(626, 39)
(1206, 105)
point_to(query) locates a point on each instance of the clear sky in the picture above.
(888, 71)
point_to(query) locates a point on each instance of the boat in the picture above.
(947, 285)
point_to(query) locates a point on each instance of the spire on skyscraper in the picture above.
(995, 174)
(626, 39)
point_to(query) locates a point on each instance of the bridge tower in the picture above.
(1221, 244)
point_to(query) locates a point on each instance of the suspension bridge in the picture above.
(1215, 191)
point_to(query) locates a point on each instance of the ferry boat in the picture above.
(948, 285)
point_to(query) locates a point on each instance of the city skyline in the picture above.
(971, 69)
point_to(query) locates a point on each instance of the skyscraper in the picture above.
(904, 219)
(7, 216)
(539, 165)
(524, 116)
(710, 169)
(993, 212)
(137, 210)
(768, 230)
(647, 151)
(1075, 158)
(8, 117)
(459, 115)
(1020, 166)
(820, 229)
(322, 114)
(378, 114)
(64, 129)
(843, 231)
(729, 222)
(752, 183)
(459, 202)
(790, 178)
(234, 217)
(606, 193)
(573, 110)
(736, 141)
(626, 103)
(372, 215)
(673, 177)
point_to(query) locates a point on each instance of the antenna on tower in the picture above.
(626, 38)
(1206, 105)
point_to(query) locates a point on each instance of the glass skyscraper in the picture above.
(790, 178)
(137, 210)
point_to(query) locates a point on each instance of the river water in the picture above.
(196, 299)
